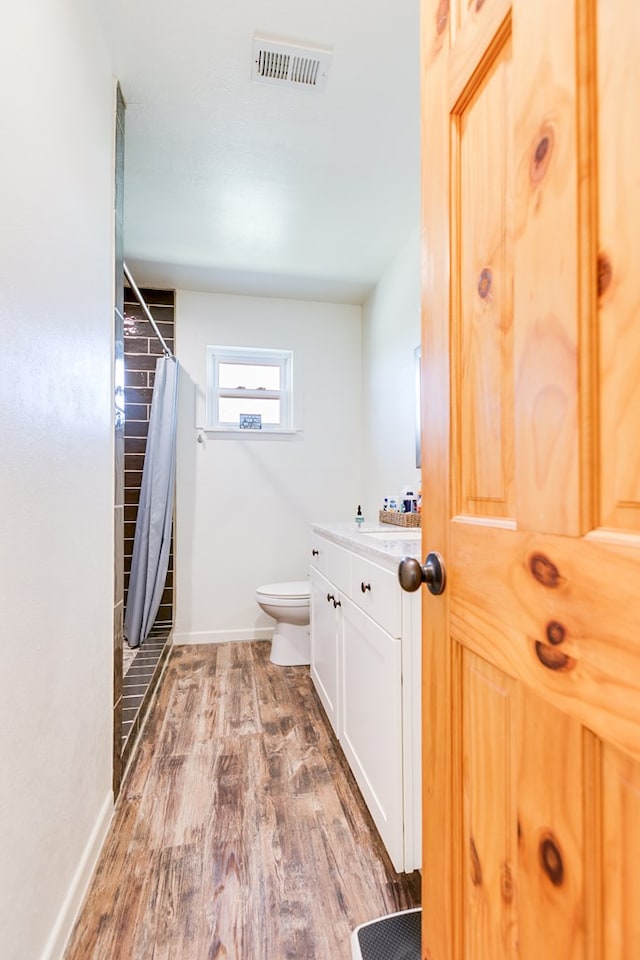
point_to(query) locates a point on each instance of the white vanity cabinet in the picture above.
(329, 577)
(365, 665)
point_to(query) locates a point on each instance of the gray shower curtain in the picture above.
(152, 541)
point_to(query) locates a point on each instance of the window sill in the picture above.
(237, 432)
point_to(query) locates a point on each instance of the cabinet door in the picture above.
(371, 721)
(325, 636)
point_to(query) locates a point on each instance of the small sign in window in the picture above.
(251, 421)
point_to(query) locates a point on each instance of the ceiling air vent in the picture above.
(289, 65)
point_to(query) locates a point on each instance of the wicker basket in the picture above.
(399, 519)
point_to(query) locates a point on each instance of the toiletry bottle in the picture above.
(385, 505)
(408, 500)
(359, 517)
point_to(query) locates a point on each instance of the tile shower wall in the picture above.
(141, 350)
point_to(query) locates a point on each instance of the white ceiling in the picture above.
(236, 186)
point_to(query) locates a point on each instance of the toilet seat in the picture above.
(291, 590)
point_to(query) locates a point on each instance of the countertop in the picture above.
(379, 541)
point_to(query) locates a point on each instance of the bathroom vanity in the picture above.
(366, 668)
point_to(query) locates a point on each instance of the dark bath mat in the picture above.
(396, 937)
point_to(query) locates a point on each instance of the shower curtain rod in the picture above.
(167, 352)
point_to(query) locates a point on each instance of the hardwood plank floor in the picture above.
(240, 833)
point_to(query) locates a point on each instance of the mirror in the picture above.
(417, 355)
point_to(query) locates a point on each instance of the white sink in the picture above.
(395, 533)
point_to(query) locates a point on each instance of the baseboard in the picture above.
(222, 636)
(77, 891)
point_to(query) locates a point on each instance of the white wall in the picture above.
(391, 333)
(243, 506)
(56, 467)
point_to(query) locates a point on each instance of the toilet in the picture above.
(288, 604)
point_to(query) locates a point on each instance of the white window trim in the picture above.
(257, 355)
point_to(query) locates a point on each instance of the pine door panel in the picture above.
(489, 830)
(551, 833)
(482, 309)
(621, 855)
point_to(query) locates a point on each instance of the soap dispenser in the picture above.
(359, 517)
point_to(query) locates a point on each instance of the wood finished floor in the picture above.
(240, 833)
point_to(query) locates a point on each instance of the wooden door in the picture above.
(531, 479)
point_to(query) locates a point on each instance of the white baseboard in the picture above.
(79, 885)
(223, 636)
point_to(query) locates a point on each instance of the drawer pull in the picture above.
(315, 553)
(365, 586)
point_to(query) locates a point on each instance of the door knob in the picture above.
(412, 574)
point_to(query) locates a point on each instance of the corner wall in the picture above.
(56, 477)
(390, 335)
(244, 506)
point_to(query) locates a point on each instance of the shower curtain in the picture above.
(152, 540)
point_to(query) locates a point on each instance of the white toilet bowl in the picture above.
(289, 605)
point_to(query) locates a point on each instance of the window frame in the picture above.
(258, 356)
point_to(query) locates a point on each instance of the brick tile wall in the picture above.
(141, 350)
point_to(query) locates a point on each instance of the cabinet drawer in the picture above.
(331, 560)
(377, 591)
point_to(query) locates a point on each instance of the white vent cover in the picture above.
(289, 65)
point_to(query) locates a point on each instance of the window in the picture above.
(250, 389)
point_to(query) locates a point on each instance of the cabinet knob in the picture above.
(412, 574)
(315, 553)
(337, 603)
(330, 597)
(365, 586)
